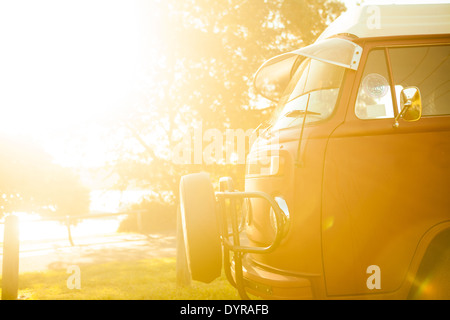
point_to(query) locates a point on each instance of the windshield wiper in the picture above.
(296, 113)
(263, 127)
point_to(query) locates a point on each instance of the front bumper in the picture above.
(273, 284)
(241, 271)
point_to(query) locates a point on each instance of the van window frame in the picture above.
(384, 43)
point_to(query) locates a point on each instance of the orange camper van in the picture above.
(354, 199)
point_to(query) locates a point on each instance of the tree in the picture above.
(204, 54)
(30, 182)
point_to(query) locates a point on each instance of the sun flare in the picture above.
(66, 64)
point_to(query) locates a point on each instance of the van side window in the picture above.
(374, 100)
(427, 68)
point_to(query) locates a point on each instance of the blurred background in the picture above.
(96, 96)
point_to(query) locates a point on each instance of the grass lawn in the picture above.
(150, 279)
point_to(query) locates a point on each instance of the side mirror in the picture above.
(411, 105)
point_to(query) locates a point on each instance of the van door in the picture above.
(384, 187)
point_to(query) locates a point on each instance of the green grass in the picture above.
(151, 279)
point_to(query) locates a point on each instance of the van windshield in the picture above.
(311, 93)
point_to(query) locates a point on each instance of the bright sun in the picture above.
(65, 63)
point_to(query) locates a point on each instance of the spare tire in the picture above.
(200, 227)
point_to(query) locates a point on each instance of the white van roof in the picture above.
(392, 20)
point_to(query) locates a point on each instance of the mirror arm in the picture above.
(405, 108)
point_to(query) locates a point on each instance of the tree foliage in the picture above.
(30, 182)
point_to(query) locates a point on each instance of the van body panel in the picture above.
(382, 192)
